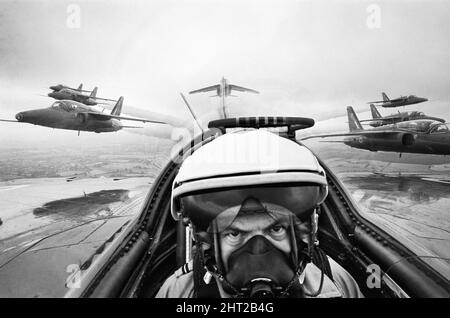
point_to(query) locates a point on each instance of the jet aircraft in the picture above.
(71, 115)
(425, 136)
(378, 120)
(401, 101)
(59, 87)
(77, 96)
(223, 89)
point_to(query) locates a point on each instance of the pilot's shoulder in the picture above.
(344, 281)
(180, 284)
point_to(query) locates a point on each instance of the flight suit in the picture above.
(181, 283)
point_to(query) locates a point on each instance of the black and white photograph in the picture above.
(224, 149)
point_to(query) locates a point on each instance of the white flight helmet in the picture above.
(247, 163)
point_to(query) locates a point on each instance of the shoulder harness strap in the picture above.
(320, 259)
(201, 289)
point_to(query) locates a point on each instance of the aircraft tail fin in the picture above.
(80, 87)
(353, 121)
(385, 98)
(118, 107)
(94, 93)
(375, 113)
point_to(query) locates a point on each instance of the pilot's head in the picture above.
(255, 219)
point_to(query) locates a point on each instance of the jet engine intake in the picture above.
(408, 139)
(83, 117)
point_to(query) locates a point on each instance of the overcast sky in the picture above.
(305, 57)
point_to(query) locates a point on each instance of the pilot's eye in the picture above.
(277, 228)
(233, 237)
(278, 231)
(233, 234)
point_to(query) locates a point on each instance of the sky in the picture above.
(307, 58)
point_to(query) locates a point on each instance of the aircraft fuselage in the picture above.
(424, 143)
(404, 101)
(402, 117)
(68, 118)
(68, 94)
(224, 89)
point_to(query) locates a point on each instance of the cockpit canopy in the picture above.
(423, 126)
(67, 106)
(438, 127)
(56, 104)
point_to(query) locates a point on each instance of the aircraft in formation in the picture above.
(223, 89)
(401, 101)
(77, 96)
(425, 136)
(73, 115)
(57, 88)
(378, 120)
(410, 132)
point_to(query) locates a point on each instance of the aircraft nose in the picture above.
(51, 94)
(19, 116)
(29, 116)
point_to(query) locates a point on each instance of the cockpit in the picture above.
(412, 96)
(416, 126)
(56, 105)
(438, 128)
(424, 126)
(66, 106)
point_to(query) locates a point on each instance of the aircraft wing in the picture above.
(381, 119)
(368, 133)
(377, 101)
(243, 89)
(11, 121)
(205, 89)
(107, 116)
(79, 90)
(107, 99)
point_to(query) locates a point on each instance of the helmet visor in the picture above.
(202, 208)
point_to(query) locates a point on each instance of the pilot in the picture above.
(252, 200)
